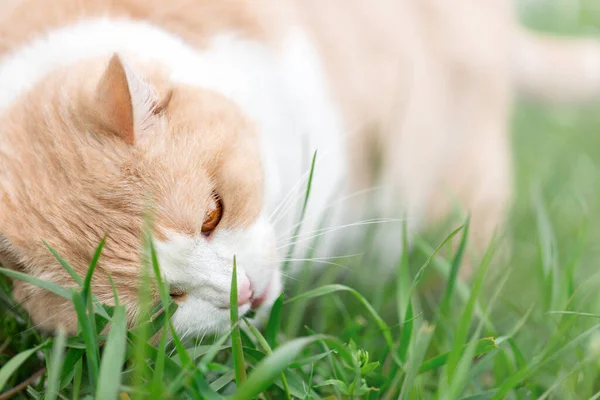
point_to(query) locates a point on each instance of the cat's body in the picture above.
(239, 95)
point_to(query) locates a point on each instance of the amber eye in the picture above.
(213, 215)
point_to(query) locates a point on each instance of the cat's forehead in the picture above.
(220, 120)
(206, 145)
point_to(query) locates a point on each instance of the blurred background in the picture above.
(557, 155)
(554, 224)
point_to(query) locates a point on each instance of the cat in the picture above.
(207, 114)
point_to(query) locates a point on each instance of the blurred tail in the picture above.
(557, 69)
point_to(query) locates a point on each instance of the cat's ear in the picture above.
(124, 101)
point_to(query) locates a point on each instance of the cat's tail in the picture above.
(556, 69)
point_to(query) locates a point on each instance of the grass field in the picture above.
(524, 328)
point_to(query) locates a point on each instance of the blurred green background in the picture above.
(556, 151)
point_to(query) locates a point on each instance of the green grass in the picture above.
(526, 327)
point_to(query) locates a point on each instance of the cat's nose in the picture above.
(244, 290)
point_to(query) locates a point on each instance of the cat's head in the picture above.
(98, 147)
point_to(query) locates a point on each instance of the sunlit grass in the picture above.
(454, 348)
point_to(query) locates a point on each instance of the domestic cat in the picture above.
(207, 113)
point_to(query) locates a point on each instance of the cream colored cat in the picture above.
(210, 111)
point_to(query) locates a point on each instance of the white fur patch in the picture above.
(202, 268)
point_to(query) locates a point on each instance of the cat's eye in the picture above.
(213, 216)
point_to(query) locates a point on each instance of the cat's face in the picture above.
(118, 150)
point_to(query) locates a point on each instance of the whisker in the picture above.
(324, 258)
(44, 321)
(196, 346)
(296, 186)
(317, 262)
(320, 232)
(289, 276)
(335, 203)
(100, 285)
(172, 352)
(299, 195)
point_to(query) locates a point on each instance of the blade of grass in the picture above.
(163, 287)
(109, 380)
(295, 313)
(443, 267)
(575, 261)
(454, 269)
(86, 292)
(407, 329)
(199, 381)
(265, 345)
(562, 379)
(157, 385)
(406, 333)
(49, 286)
(65, 264)
(274, 322)
(89, 336)
(421, 271)
(547, 249)
(403, 278)
(415, 358)
(269, 369)
(72, 357)
(328, 289)
(334, 364)
(580, 314)
(484, 346)
(309, 360)
(463, 327)
(236, 339)
(290, 252)
(223, 381)
(463, 373)
(77, 379)
(87, 283)
(202, 366)
(143, 331)
(213, 350)
(46, 285)
(56, 364)
(14, 363)
(545, 358)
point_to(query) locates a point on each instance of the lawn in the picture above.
(524, 327)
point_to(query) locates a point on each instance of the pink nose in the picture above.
(244, 290)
